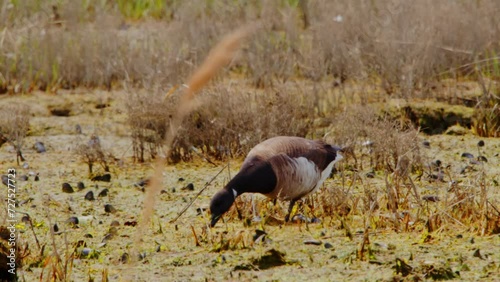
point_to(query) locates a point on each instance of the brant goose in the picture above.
(286, 168)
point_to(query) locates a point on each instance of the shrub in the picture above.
(14, 126)
(228, 124)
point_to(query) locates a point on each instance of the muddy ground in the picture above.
(228, 252)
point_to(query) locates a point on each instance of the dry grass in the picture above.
(407, 46)
(229, 123)
(14, 126)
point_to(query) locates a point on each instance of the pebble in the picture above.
(73, 220)
(189, 187)
(89, 196)
(104, 178)
(328, 245)
(467, 155)
(124, 258)
(5, 180)
(39, 147)
(142, 184)
(80, 185)
(109, 208)
(430, 198)
(426, 144)
(103, 193)
(312, 242)
(66, 188)
(482, 159)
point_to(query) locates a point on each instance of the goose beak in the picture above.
(214, 220)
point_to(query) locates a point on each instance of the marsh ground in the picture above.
(228, 252)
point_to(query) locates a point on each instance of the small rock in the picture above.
(370, 174)
(180, 179)
(26, 166)
(124, 258)
(5, 180)
(78, 129)
(430, 198)
(107, 237)
(482, 159)
(103, 193)
(115, 223)
(26, 219)
(142, 256)
(89, 196)
(328, 245)
(66, 188)
(23, 177)
(199, 211)
(39, 147)
(88, 235)
(477, 254)
(86, 251)
(312, 242)
(480, 143)
(37, 178)
(73, 220)
(80, 185)
(104, 178)
(56, 228)
(467, 155)
(142, 184)
(109, 208)
(130, 223)
(426, 144)
(189, 187)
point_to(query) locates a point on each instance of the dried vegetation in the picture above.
(314, 69)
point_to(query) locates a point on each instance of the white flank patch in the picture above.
(307, 174)
(235, 194)
(327, 171)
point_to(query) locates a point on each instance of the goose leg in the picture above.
(290, 209)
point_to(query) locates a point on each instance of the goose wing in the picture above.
(316, 151)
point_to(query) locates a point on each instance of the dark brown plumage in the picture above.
(283, 167)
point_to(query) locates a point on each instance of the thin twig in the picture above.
(199, 193)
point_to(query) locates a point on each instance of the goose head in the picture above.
(220, 204)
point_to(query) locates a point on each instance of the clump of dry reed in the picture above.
(14, 126)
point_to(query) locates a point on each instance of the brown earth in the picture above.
(228, 251)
